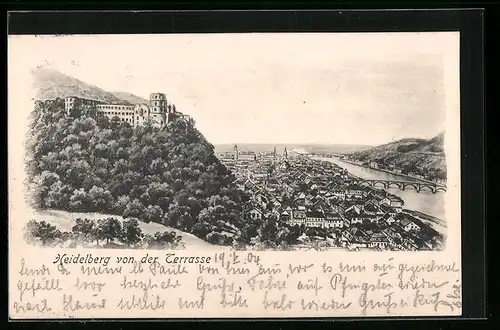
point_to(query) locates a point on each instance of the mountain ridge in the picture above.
(417, 155)
(51, 84)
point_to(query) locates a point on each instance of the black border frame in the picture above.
(469, 22)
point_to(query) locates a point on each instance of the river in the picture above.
(424, 201)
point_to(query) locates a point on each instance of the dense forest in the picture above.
(169, 176)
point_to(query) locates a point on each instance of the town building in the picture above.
(393, 201)
(409, 225)
(379, 240)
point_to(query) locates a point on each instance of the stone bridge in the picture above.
(403, 185)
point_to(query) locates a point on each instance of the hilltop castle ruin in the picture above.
(158, 112)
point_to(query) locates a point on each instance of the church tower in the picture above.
(274, 153)
(235, 151)
(285, 153)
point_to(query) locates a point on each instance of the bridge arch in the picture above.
(394, 184)
(383, 183)
(365, 183)
(443, 189)
(415, 186)
(428, 187)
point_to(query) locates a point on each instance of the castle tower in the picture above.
(235, 151)
(158, 109)
(158, 102)
(70, 103)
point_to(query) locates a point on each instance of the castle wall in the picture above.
(157, 112)
(124, 112)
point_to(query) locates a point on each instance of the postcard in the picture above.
(237, 175)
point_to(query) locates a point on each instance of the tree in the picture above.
(42, 231)
(201, 229)
(121, 204)
(108, 229)
(152, 213)
(86, 229)
(134, 209)
(131, 232)
(79, 200)
(100, 199)
(179, 217)
(115, 122)
(102, 121)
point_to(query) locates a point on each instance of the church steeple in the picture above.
(274, 152)
(285, 153)
(236, 152)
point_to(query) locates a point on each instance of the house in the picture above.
(342, 207)
(393, 201)
(356, 207)
(354, 190)
(359, 240)
(333, 220)
(309, 199)
(285, 216)
(372, 218)
(393, 237)
(255, 214)
(387, 219)
(409, 245)
(274, 213)
(378, 240)
(353, 217)
(321, 204)
(301, 199)
(339, 194)
(387, 209)
(347, 236)
(297, 219)
(299, 212)
(315, 219)
(374, 164)
(373, 209)
(409, 225)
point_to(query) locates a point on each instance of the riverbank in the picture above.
(412, 178)
(437, 224)
(423, 206)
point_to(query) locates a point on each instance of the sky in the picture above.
(329, 88)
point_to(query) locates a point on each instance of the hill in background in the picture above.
(416, 154)
(51, 84)
(308, 148)
(130, 98)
